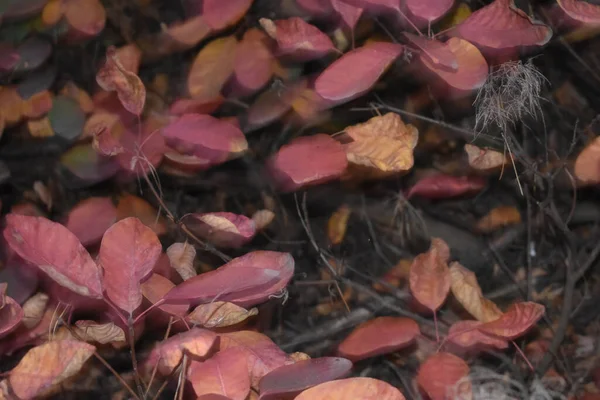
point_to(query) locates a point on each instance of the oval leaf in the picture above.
(352, 388)
(466, 290)
(155, 288)
(90, 218)
(581, 11)
(181, 257)
(466, 334)
(298, 39)
(253, 64)
(440, 186)
(222, 14)
(440, 373)
(517, 320)
(212, 67)
(429, 275)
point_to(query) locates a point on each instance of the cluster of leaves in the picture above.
(115, 271)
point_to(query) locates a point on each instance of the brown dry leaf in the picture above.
(383, 143)
(466, 290)
(47, 365)
(33, 309)
(40, 128)
(337, 224)
(263, 218)
(485, 159)
(587, 164)
(181, 256)
(212, 68)
(498, 217)
(220, 314)
(91, 331)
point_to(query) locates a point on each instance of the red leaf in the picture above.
(11, 314)
(517, 320)
(581, 11)
(289, 380)
(466, 334)
(439, 374)
(429, 10)
(128, 252)
(223, 229)
(436, 52)
(307, 161)
(356, 71)
(350, 14)
(441, 186)
(220, 14)
(262, 355)
(56, 251)
(114, 77)
(253, 64)
(298, 39)
(226, 373)
(501, 25)
(155, 288)
(90, 218)
(429, 275)
(205, 137)
(378, 336)
(244, 281)
(352, 388)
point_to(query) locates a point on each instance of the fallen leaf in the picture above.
(352, 388)
(485, 159)
(429, 10)
(262, 219)
(33, 309)
(56, 251)
(288, 381)
(298, 39)
(587, 163)
(468, 293)
(85, 17)
(90, 218)
(517, 320)
(429, 275)
(497, 218)
(47, 365)
(181, 257)
(381, 335)
(128, 252)
(219, 314)
(349, 13)
(440, 374)
(253, 64)
(133, 206)
(337, 224)
(223, 229)
(197, 105)
(441, 186)
(466, 334)
(91, 331)
(220, 15)
(212, 67)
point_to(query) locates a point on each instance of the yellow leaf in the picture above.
(337, 224)
(498, 218)
(466, 290)
(219, 314)
(212, 68)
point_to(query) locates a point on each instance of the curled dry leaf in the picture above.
(11, 314)
(219, 314)
(113, 76)
(383, 144)
(441, 186)
(466, 334)
(155, 288)
(56, 251)
(498, 217)
(439, 375)
(297, 38)
(429, 275)
(212, 67)
(262, 355)
(352, 388)
(356, 71)
(337, 224)
(262, 219)
(378, 336)
(223, 229)
(517, 320)
(226, 373)
(485, 159)
(587, 164)
(90, 218)
(128, 253)
(468, 293)
(306, 161)
(33, 309)
(91, 331)
(168, 354)
(47, 365)
(289, 380)
(181, 257)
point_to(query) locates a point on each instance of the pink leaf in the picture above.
(205, 137)
(141, 154)
(128, 253)
(441, 186)
(298, 39)
(434, 50)
(155, 288)
(226, 374)
(253, 64)
(289, 380)
(378, 336)
(223, 229)
(581, 11)
(307, 161)
(315, 7)
(244, 281)
(350, 14)
(11, 314)
(56, 251)
(352, 388)
(429, 10)
(90, 218)
(220, 14)
(197, 105)
(356, 71)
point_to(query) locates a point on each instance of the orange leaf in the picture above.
(133, 206)
(82, 98)
(429, 275)
(439, 375)
(587, 164)
(517, 320)
(129, 87)
(468, 293)
(47, 365)
(337, 224)
(352, 388)
(497, 218)
(155, 288)
(466, 334)
(212, 67)
(378, 336)
(219, 314)
(181, 257)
